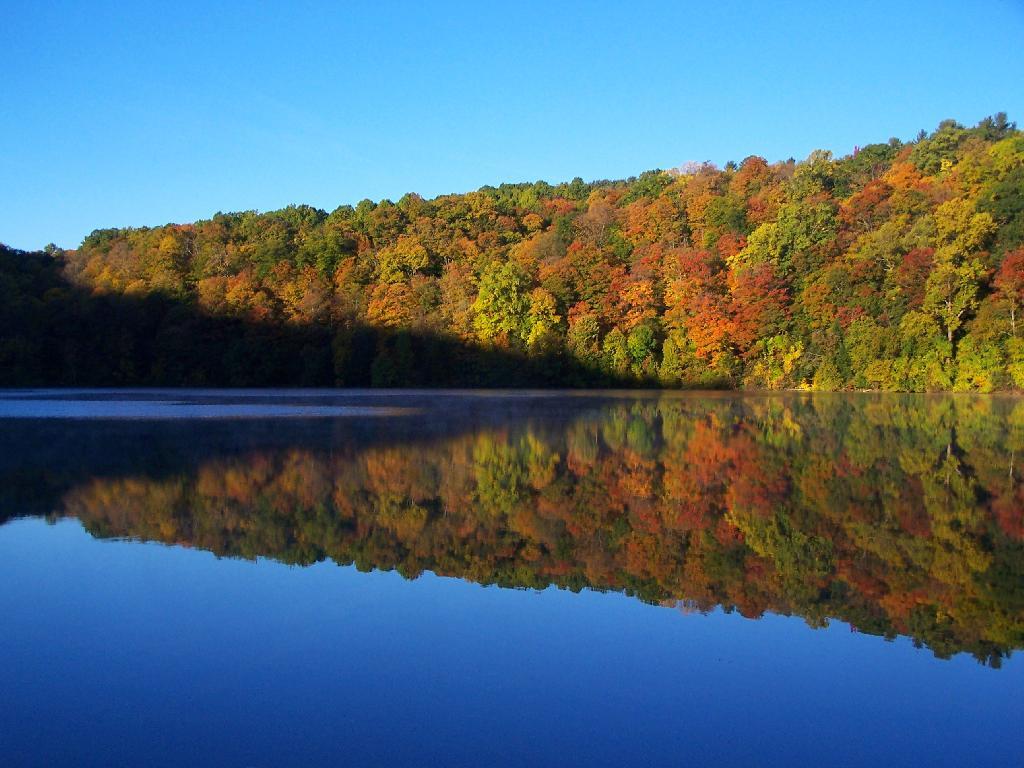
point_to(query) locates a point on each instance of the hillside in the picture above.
(897, 267)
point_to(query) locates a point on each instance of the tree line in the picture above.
(898, 267)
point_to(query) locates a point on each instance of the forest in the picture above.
(899, 266)
(900, 517)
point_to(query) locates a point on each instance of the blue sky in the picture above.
(135, 114)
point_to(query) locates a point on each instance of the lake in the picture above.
(262, 578)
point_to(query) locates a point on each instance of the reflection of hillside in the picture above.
(900, 517)
(42, 458)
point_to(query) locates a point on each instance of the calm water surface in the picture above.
(440, 578)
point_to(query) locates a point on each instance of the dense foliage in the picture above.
(901, 517)
(899, 267)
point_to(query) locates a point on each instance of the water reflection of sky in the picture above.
(12, 408)
(115, 650)
(119, 652)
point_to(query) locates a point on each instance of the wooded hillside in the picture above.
(899, 266)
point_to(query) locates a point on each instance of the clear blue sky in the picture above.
(133, 114)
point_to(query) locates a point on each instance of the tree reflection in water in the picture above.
(899, 515)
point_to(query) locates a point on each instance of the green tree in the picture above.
(951, 293)
(502, 304)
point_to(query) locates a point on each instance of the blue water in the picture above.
(120, 652)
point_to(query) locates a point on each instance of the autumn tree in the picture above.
(1009, 282)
